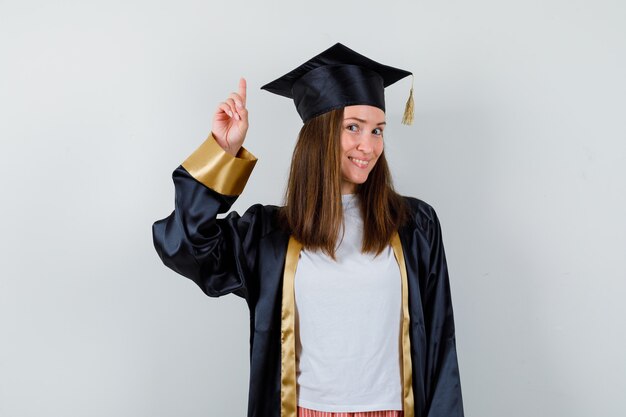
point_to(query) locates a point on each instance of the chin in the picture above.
(356, 181)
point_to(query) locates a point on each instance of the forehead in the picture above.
(364, 112)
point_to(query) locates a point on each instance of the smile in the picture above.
(359, 162)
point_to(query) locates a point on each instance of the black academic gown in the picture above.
(246, 255)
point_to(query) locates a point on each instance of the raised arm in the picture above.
(218, 255)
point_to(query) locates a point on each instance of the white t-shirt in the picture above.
(348, 316)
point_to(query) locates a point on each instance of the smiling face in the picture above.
(361, 144)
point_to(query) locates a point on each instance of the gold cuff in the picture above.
(217, 169)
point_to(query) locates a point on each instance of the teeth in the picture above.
(360, 161)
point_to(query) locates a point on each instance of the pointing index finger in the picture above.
(242, 89)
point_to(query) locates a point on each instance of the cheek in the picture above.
(345, 142)
(378, 148)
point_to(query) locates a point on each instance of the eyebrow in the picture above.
(363, 121)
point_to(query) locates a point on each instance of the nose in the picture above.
(366, 144)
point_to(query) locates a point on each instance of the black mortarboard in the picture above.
(338, 77)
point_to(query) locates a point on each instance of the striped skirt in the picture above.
(305, 412)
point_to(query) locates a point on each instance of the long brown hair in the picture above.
(313, 211)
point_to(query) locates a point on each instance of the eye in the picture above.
(378, 131)
(353, 128)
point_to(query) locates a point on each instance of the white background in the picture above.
(519, 143)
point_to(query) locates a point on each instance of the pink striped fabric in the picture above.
(305, 412)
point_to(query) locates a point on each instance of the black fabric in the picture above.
(245, 255)
(335, 78)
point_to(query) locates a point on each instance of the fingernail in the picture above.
(230, 113)
(239, 104)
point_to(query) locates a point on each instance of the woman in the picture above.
(347, 284)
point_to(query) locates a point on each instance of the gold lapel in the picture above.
(288, 400)
(407, 378)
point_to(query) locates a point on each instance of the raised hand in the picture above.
(230, 121)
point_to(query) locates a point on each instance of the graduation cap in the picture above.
(336, 78)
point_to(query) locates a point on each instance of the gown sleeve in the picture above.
(217, 254)
(445, 385)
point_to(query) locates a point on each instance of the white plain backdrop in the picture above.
(519, 143)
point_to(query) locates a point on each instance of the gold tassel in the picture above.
(409, 108)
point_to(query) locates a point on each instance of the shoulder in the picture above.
(421, 215)
(258, 212)
(265, 217)
(268, 211)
